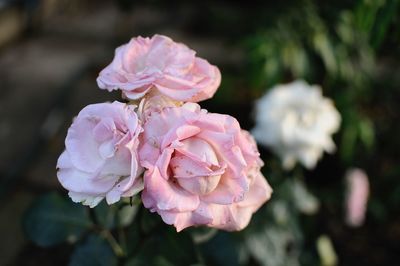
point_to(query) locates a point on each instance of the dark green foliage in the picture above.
(53, 219)
(165, 247)
(95, 251)
(223, 249)
(116, 215)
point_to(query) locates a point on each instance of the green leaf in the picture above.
(115, 215)
(53, 219)
(105, 215)
(126, 214)
(377, 210)
(324, 47)
(274, 246)
(164, 248)
(95, 251)
(274, 236)
(367, 133)
(221, 250)
(149, 221)
(348, 142)
(280, 211)
(385, 16)
(304, 201)
(133, 238)
(202, 234)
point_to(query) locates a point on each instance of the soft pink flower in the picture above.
(202, 169)
(357, 196)
(172, 68)
(100, 160)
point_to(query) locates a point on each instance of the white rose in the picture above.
(296, 122)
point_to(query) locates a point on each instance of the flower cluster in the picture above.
(191, 167)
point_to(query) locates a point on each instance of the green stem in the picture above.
(113, 243)
(122, 238)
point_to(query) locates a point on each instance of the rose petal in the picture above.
(166, 194)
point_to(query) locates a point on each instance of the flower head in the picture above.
(171, 68)
(297, 122)
(100, 160)
(201, 169)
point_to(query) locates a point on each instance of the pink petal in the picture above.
(228, 191)
(166, 195)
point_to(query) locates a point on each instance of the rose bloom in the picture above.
(100, 160)
(357, 196)
(297, 122)
(202, 169)
(171, 68)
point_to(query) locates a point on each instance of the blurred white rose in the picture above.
(296, 122)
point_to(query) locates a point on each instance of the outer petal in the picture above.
(182, 220)
(209, 85)
(228, 191)
(260, 191)
(237, 216)
(75, 180)
(160, 194)
(85, 199)
(82, 147)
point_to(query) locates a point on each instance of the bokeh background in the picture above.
(52, 50)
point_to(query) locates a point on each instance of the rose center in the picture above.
(195, 167)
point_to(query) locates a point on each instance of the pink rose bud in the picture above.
(357, 197)
(201, 169)
(154, 103)
(100, 160)
(171, 68)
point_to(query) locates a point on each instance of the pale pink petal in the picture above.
(82, 147)
(167, 195)
(228, 191)
(357, 197)
(179, 133)
(184, 167)
(78, 181)
(198, 150)
(237, 216)
(85, 199)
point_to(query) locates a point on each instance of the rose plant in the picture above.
(199, 168)
(159, 151)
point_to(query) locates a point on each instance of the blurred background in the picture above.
(51, 52)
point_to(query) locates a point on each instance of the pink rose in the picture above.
(100, 160)
(172, 68)
(357, 196)
(202, 169)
